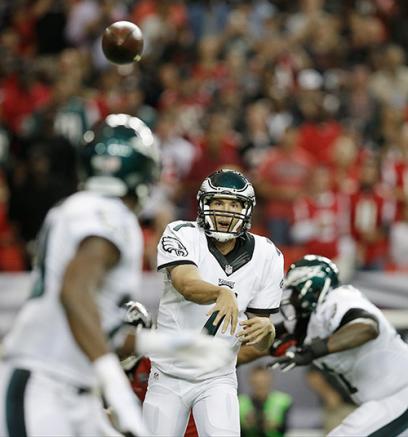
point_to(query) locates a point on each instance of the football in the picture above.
(122, 42)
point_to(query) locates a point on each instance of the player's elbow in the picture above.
(373, 331)
(187, 289)
(367, 331)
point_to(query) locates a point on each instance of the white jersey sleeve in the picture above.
(339, 304)
(178, 245)
(268, 298)
(100, 221)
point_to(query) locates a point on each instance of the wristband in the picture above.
(319, 347)
(109, 371)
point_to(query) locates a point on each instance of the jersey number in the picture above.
(183, 225)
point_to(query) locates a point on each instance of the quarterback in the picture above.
(343, 333)
(216, 275)
(59, 355)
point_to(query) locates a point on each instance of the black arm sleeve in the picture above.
(356, 313)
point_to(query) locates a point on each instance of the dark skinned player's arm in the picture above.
(95, 256)
(352, 335)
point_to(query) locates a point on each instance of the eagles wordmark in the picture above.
(229, 284)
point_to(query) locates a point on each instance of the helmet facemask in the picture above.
(224, 224)
(236, 222)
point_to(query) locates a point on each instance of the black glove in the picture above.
(301, 356)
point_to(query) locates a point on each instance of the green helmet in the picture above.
(120, 157)
(229, 184)
(308, 280)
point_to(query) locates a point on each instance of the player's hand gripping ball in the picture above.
(122, 42)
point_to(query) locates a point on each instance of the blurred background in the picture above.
(308, 98)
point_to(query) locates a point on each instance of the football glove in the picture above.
(301, 356)
(137, 315)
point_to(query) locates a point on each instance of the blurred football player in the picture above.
(60, 352)
(343, 333)
(216, 275)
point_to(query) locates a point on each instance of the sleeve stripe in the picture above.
(262, 311)
(176, 263)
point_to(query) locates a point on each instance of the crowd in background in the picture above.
(308, 98)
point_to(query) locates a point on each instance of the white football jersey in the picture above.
(372, 371)
(41, 337)
(253, 271)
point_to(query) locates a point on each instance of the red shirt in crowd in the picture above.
(281, 169)
(317, 139)
(396, 174)
(371, 211)
(325, 215)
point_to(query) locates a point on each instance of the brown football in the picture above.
(122, 42)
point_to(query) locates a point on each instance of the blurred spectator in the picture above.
(336, 404)
(321, 224)
(12, 257)
(279, 180)
(395, 170)
(256, 137)
(216, 148)
(67, 113)
(50, 23)
(160, 21)
(318, 129)
(399, 242)
(372, 212)
(265, 412)
(344, 164)
(390, 83)
(360, 107)
(207, 18)
(47, 176)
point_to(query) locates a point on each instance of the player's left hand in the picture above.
(255, 330)
(302, 356)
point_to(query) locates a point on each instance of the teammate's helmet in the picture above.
(226, 184)
(308, 280)
(120, 157)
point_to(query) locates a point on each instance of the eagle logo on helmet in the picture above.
(171, 244)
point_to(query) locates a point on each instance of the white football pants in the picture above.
(35, 404)
(213, 402)
(386, 417)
